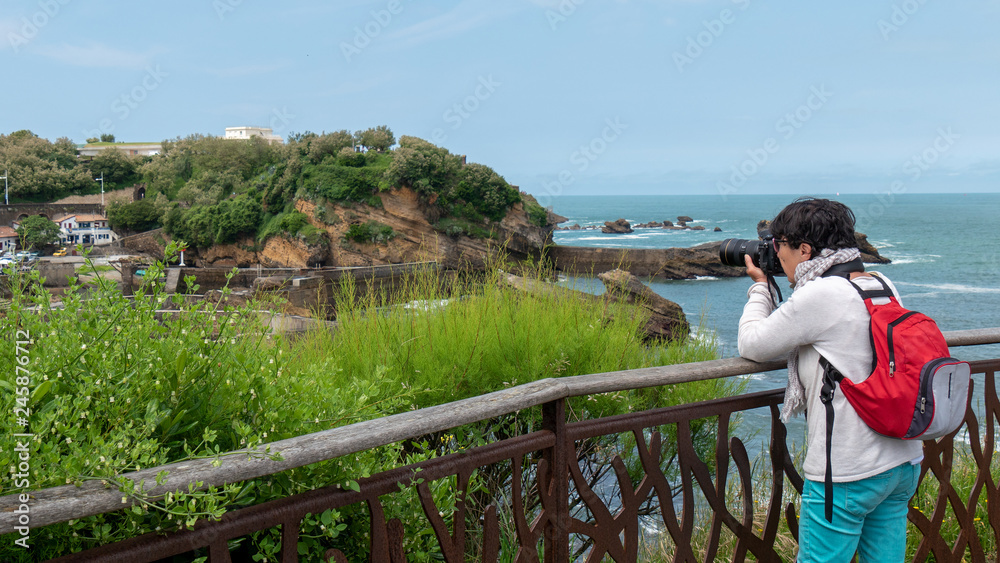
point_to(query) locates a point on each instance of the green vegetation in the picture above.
(136, 216)
(369, 232)
(209, 190)
(292, 224)
(36, 231)
(115, 387)
(536, 213)
(91, 268)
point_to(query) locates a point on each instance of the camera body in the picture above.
(762, 252)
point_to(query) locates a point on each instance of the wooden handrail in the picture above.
(58, 504)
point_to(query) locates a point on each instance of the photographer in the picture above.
(873, 476)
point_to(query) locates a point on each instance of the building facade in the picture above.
(141, 149)
(8, 239)
(85, 228)
(237, 133)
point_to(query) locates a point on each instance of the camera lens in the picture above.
(732, 251)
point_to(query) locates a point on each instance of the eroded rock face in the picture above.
(666, 318)
(415, 240)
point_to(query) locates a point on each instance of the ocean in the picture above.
(944, 248)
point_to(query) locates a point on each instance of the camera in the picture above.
(762, 252)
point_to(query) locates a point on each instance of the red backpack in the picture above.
(916, 390)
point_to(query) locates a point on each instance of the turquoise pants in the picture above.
(869, 516)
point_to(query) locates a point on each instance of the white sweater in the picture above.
(826, 317)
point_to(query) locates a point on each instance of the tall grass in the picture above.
(118, 386)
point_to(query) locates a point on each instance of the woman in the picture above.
(873, 476)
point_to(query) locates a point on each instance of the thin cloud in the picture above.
(96, 55)
(465, 17)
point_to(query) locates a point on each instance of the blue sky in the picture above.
(561, 97)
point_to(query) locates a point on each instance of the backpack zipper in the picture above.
(892, 349)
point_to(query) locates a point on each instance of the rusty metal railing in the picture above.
(550, 509)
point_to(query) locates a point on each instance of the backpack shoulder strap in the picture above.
(831, 377)
(884, 292)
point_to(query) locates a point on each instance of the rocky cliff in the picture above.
(415, 237)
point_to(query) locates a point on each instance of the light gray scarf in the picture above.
(805, 272)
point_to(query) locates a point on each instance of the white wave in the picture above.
(705, 278)
(625, 237)
(918, 259)
(754, 376)
(950, 287)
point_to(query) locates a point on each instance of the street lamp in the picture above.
(101, 180)
(5, 200)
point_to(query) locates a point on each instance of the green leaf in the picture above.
(41, 391)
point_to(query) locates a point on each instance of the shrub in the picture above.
(139, 215)
(369, 232)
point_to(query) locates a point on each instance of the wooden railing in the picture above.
(562, 516)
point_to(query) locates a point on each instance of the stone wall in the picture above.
(11, 213)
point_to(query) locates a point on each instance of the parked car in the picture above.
(60, 252)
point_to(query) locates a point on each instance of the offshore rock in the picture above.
(621, 226)
(666, 318)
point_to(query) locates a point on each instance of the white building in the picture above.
(85, 228)
(141, 149)
(248, 132)
(8, 239)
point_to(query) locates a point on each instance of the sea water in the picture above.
(944, 248)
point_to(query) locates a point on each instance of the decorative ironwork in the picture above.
(546, 514)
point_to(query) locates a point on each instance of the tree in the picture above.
(330, 144)
(486, 190)
(378, 138)
(117, 168)
(235, 217)
(39, 170)
(37, 231)
(107, 138)
(423, 166)
(136, 216)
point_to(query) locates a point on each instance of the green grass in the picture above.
(114, 387)
(90, 268)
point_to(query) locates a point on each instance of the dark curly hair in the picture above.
(823, 223)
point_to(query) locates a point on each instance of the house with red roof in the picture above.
(8, 239)
(85, 228)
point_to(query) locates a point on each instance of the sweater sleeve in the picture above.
(766, 333)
